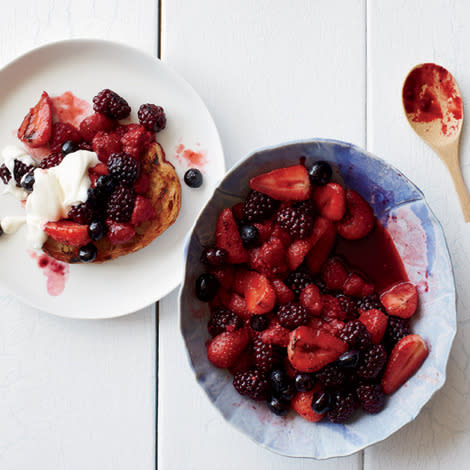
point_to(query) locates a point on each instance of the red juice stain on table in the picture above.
(55, 271)
(376, 256)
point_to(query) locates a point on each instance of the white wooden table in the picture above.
(80, 395)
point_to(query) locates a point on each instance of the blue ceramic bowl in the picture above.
(401, 207)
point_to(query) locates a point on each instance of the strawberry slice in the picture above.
(310, 350)
(405, 359)
(401, 300)
(299, 249)
(228, 238)
(330, 201)
(310, 298)
(376, 323)
(259, 294)
(119, 233)
(276, 334)
(284, 184)
(334, 274)
(320, 251)
(68, 232)
(359, 220)
(302, 405)
(36, 128)
(283, 294)
(225, 348)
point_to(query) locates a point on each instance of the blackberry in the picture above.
(343, 408)
(320, 173)
(321, 286)
(213, 256)
(121, 204)
(356, 335)
(221, 319)
(306, 207)
(277, 406)
(258, 206)
(152, 117)
(372, 362)
(259, 322)
(371, 397)
(5, 173)
(193, 178)
(19, 170)
(297, 280)
(50, 161)
(266, 355)
(331, 376)
(295, 222)
(123, 168)
(370, 302)
(81, 214)
(207, 286)
(251, 383)
(293, 315)
(304, 382)
(397, 328)
(348, 305)
(110, 104)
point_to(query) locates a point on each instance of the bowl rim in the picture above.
(432, 217)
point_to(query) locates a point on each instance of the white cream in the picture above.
(8, 156)
(12, 223)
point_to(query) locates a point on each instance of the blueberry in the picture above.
(106, 183)
(320, 173)
(193, 178)
(288, 392)
(277, 406)
(69, 146)
(321, 402)
(304, 382)
(250, 235)
(279, 380)
(259, 322)
(349, 359)
(87, 253)
(27, 182)
(206, 287)
(97, 230)
(214, 256)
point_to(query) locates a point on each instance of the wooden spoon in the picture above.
(433, 106)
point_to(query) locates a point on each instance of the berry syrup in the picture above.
(56, 272)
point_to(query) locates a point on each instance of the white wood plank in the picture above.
(269, 71)
(402, 34)
(76, 394)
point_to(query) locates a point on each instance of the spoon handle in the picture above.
(451, 159)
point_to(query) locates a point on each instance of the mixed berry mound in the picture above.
(297, 315)
(110, 104)
(152, 117)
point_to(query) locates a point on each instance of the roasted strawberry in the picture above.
(119, 233)
(310, 298)
(269, 259)
(400, 300)
(68, 232)
(356, 286)
(334, 274)
(275, 334)
(95, 123)
(237, 304)
(143, 211)
(36, 128)
(405, 359)
(142, 185)
(283, 294)
(311, 350)
(302, 405)
(376, 323)
(284, 184)
(104, 144)
(225, 348)
(259, 294)
(320, 251)
(330, 201)
(228, 238)
(359, 219)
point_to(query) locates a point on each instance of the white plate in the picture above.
(85, 67)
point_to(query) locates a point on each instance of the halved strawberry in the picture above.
(283, 294)
(310, 298)
(225, 348)
(356, 286)
(400, 300)
(376, 323)
(302, 405)
(269, 259)
(239, 281)
(119, 233)
(405, 359)
(259, 294)
(359, 219)
(284, 184)
(228, 238)
(143, 211)
(275, 334)
(68, 232)
(320, 251)
(94, 123)
(334, 274)
(237, 304)
(330, 201)
(310, 350)
(299, 249)
(36, 128)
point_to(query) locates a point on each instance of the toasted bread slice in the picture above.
(165, 196)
